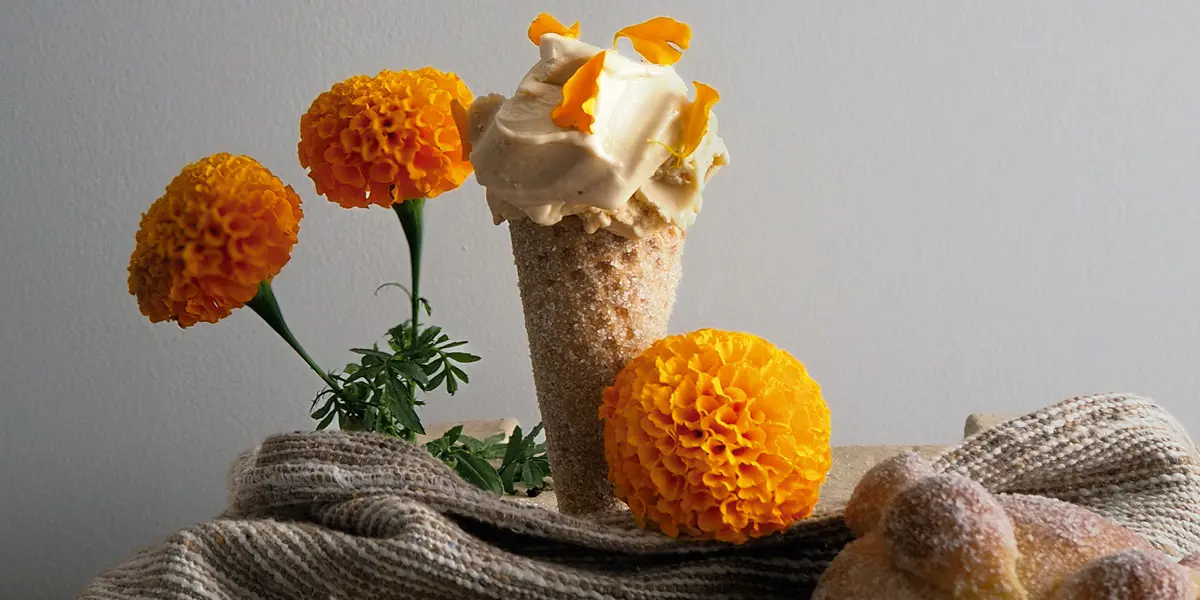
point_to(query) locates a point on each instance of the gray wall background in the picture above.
(940, 207)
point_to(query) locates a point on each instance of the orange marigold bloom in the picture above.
(368, 134)
(224, 225)
(716, 435)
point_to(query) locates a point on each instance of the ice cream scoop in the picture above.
(620, 176)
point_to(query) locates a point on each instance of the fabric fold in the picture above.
(354, 515)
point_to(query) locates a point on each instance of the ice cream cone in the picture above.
(592, 302)
(599, 172)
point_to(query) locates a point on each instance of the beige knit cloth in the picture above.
(348, 516)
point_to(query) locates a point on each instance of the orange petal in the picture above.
(461, 121)
(660, 40)
(695, 124)
(578, 107)
(546, 23)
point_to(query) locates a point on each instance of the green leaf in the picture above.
(452, 345)
(396, 389)
(479, 472)
(435, 381)
(427, 336)
(428, 308)
(535, 431)
(451, 384)
(324, 410)
(375, 369)
(371, 352)
(527, 476)
(441, 450)
(320, 395)
(460, 374)
(352, 381)
(534, 473)
(326, 421)
(412, 371)
(471, 444)
(420, 356)
(462, 357)
(409, 419)
(508, 477)
(398, 334)
(515, 443)
(399, 398)
(474, 445)
(451, 435)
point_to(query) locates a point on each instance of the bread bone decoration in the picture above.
(922, 535)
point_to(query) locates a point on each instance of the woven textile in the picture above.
(350, 516)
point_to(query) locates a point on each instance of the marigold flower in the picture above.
(224, 225)
(718, 435)
(367, 135)
(660, 40)
(577, 110)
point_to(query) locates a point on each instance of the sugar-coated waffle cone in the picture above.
(592, 303)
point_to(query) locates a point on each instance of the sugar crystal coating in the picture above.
(874, 493)
(592, 303)
(948, 530)
(1129, 575)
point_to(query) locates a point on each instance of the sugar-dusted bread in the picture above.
(925, 536)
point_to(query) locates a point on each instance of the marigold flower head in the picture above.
(224, 225)
(397, 129)
(716, 435)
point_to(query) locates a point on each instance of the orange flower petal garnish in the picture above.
(578, 107)
(656, 39)
(546, 23)
(695, 122)
(695, 125)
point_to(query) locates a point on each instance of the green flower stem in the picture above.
(411, 213)
(266, 306)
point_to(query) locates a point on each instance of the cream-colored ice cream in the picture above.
(616, 177)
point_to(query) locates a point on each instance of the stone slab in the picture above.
(849, 465)
(849, 462)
